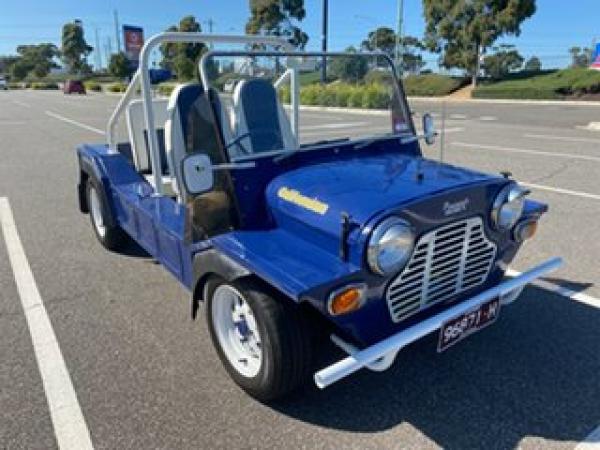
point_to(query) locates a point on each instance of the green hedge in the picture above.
(93, 86)
(556, 85)
(432, 85)
(370, 96)
(15, 85)
(166, 88)
(44, 85)
(116, 87)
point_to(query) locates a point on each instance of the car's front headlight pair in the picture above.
(508, 207)
(390, 246)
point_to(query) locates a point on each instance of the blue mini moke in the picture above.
(288, 240)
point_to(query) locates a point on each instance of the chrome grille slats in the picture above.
(446, 261)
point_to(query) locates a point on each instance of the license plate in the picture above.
(460, 327)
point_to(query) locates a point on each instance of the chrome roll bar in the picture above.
(141, 79)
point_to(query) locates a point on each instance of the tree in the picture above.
(183, 58)
(533, 64)
(580, 57)
(74, 48)
(6, 62)
(505, 60)
(350, 68)
(462, 30)
(383, 39)
(33, 59)
(119, 65)
(278, 18)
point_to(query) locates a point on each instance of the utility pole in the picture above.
(399, 38)
(107, 51)
(98, 52)
(324, 42)
(117, 31)
(210, 24)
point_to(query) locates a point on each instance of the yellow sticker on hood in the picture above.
(295, 197)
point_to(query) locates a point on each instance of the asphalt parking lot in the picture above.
(146, 376)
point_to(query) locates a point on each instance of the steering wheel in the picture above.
(256, 132)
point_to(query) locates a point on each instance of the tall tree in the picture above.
(118, 65)
(350, 68)
(183, 58)
(462, 30)
(278, 18)
(74, 48)
(383, 39)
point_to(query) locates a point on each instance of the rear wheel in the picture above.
(111, 237)
(263, 342)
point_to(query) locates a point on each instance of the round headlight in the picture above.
(390, 246)
(508, 207)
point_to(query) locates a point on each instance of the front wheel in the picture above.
(263, 342)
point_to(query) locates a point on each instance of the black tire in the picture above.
(113, 237)
(285, 337)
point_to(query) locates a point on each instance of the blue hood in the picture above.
(317, 195)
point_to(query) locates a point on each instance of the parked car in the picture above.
(74, 87)
(3, 84)
(287, 243)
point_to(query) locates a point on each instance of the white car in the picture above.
(3, 84)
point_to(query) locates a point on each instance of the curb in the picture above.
(507, 101)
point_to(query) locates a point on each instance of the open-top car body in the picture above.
(284, 236)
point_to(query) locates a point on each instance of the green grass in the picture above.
(116, 87)
(555, 85)
(93, 86)
(432, 85)
(43, 85)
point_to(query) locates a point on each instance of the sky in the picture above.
(548, 34)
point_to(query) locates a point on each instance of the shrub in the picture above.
(93, 86)
(116, 87)
(39, 85)
(375, 96)
(285, 95)
(432, 85)
(309, 95)
(15, 85)
(166, 89)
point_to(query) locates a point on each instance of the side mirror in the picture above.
(197, 174)
(429, 132)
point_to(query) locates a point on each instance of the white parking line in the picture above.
(549, 137)
(458, 116)
(562, 191)
(23, 104)
(69, 424)
(333, 126)
(74, 122)
(526, 151)
(488, 118)
(592, 441)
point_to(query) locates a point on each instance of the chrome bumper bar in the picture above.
(381, 355)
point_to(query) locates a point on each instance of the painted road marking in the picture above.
(74, 122)
(334, 126)
(592, 441)
(458, 116)
(488, 118)
(23, 104)
(561, 138)
(69, 424)
(372, 129)
(526, 151)
(562, 191)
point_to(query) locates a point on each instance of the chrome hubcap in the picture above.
(96, 211)
(237, 330)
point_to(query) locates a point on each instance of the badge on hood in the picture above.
(295, 197)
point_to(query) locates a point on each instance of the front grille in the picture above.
(445, 262)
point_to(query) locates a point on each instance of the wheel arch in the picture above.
(88, 172)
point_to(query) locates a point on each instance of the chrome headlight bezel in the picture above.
(391, 230)
(508, 207)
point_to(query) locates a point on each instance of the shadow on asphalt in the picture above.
(534, 373)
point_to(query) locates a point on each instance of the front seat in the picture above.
(193, 128)
(260, 122)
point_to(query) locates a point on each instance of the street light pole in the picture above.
(324, 42)
(399, 52)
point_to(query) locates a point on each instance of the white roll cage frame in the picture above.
(141, 79)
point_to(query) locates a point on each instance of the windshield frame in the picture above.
(396, 85)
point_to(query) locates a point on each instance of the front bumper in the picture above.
(381, 355)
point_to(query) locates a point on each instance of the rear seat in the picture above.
(138, 136)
